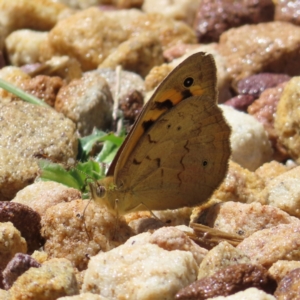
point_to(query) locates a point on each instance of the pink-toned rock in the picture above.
(215, 17)
(264, 110)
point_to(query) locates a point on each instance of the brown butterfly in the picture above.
(177, 152)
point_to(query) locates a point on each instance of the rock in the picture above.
(221, 256)
(16, 267)
(228, 281)
(250, 219)
(288, 11)
(264, 110)
(43, 194)
(289, 286)
(254, 85)
(287, 118)
(143, 271)
(23, 46)
(87, 102)
(240, 102)
(84, 296)
(183, 10)
(250, 145)
(11, 242)
(281, 268)
(86, 228)
(248, 294)
(267, 246)
(284, 192)
(269, 47)
(26, 220)
(240, 185)
(66, 36)
(47, 133)
(138, 54)
(54, 279)
(215, 17)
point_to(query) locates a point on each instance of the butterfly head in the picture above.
(99, 191)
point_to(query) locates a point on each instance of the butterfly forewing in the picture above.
(200, 68)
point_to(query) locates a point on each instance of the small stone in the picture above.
(228, 281)
(287, 118)
(264, 110)
(215, 17)
(16, 267)
(26, 220)
(269, 245)
(289, 286)
(250, 144)
(240, 102)
(87, 102)
(288, 11)
(269, 47)
(11, 242)
(55, 278)
(85, 229)
(221, 256)
(281, 268)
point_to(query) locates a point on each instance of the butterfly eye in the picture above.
(188, 82)
(204, 163)
(100, 191)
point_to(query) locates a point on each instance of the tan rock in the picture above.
(138, 54)
(270, 170)
(46, 133)
(87, 102)
(269, 47)
(284, 192)
(11, 242)
(140, 272)
(249, 141)
(55, 278)
(287, 118)
(221, 256)
(251, 217)
(67, 36)
(183, 10)
(289, 286)
(240, 185)
(44, 194)
(77, 230)
(267, 246)
(40, 15)
(282, 267)
(84, 296)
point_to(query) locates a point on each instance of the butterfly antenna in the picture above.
(117, 98)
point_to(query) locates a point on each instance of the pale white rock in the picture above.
(283, 191)
(249, 294)
(23, 46)
(139, 272)
(84, 296)
(249, 141)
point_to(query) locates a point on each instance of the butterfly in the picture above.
(177, 152)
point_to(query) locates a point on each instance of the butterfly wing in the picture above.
(179, 161)
(201, 69)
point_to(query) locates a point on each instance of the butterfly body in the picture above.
(176, 154)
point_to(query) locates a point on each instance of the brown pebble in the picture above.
(228, 281)
(16, 267)
(289, 287)
(26, 220)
